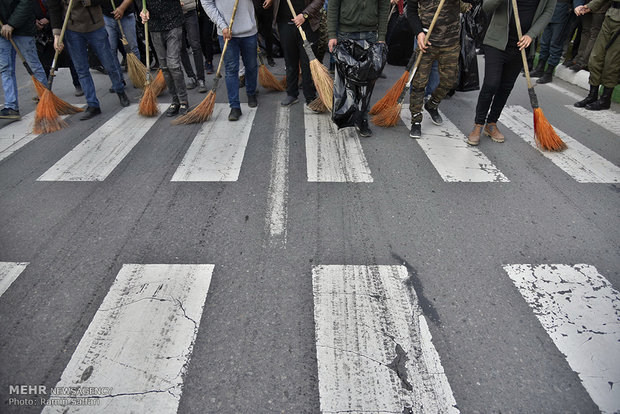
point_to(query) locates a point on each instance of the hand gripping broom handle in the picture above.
(26, 65)
(307, 46)
(120, 28)
(530, 87)
(146, 45)
(62, 36)
(218, 74)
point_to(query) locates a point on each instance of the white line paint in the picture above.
(580, 311)
(333, 155)
(9, 271)
(374, 349)
(606, 119)
(140, 340)
(17, 134)
(277, 209)
(96, 157)
(216, 154)
(576, 97)
(578, 161)
(447, 149)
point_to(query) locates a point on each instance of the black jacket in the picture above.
(20, 15)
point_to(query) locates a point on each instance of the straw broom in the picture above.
(391, 96)
(323, 82)
(135, 69)
(46, 118)
(203, 111)
(389, 116)
(148, 103)
(266, 78)
(544, 134)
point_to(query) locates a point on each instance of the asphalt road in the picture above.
(255, 343)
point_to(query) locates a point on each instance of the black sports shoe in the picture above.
(124, 100)
(8, 113)
(235, 114)
(173, 109)
(252, 101)
(363, 129)
(90, 112)
(183, 108)
(270, 61)
(416, 130)
(435, 117)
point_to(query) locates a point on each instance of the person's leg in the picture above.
(248, 47)
(114, 36)
(98, 41)
(545, 43)
(76, 46)
(597, 56)
(611, 68)
(595, 28)
(288, 42)
(187, 64)
(510, 72)
(494, 60)
(418, 84)
(27, 46)
(231, 62)
(448, 64)
(7, 69)
(129, 27)
(159, 44)
(306, 74)
(173, 59)
(206, 37)
(193, 35)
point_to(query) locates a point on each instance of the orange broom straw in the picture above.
(203, 111)
(391, 96)
(266, 78)
(544, 134)
(148, 103)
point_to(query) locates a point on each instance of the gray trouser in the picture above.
(168, 45)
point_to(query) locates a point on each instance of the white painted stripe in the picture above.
(333, 155)
(140, 340)
(576, 97)
(277, 209)
(606, 119)
(580, 311)
(96, 157)
(9, 271)
(217, 152)
(578, 161)
(17, 134)
(374, 349)
(454, 159)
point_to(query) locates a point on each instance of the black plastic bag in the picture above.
(358, 65)
(475, 23)
(399, 38)
(468, 62)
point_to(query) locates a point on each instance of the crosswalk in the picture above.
(375, 352)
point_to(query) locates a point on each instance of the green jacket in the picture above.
(497, 33)
(613, 13)
(20, 15)
(357, 16)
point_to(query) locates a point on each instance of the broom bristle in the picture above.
(283, 83)
(159, 84)
(391, 96)
(148, 104)
(46, 118)
(63, 107)
(200, 113)
(267, 80)
(38, 86)
(545, 135)
(136, 71)
(388, 117)
(323, 83)
(317, 105)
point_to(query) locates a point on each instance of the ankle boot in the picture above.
(592, 96)
(604, 102)
(547, 76)
(539, 70)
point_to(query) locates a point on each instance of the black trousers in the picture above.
(294, 57)
(501, 69)
(264, 18)
(191, 34)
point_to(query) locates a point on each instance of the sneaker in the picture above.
(416, 130)
(289, 100)
(78, 91)
(362, 128)
(124, 100)
(434, 113)
(235, 114)
(8, 113)
(183, 108)
(209, 67)
(241, 81)
(173, 109)
(202, 88)
(252, 101)
(90, 112)
(191, 83)
(270, 61)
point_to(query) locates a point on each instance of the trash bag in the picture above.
(358, 65)
(468, 62)
(399, 38)
(475, 23)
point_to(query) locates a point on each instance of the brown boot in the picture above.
(491, 131)
(474, 137)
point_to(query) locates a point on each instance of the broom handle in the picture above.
(120, 26)
(518, 23)
(19, 53)
(146, 43)
(232, 20)
(62, 36)
(301, 31)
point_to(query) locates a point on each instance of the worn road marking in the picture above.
(96, 157)
(606, 119)
(217, 152)
(140, 340)
(374, 349)
(333, 155)
(9, 271)
(277, 209)
(580, 310)
(447, 149)
(578, 161)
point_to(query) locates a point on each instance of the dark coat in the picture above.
(20, 15)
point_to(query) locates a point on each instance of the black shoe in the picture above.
(78, 91)
(539, 70)
(241, 81)
(289, 100)
(270, 61)
(363, 129)
(435, 117)
(545, 78)
(112, 90)
(8, 113)
(252, 101)
(235, 114)
(592, 97)
(416, 130)
(576, 67)
(568, 63)
(90, 112)
(122, 97)
(173, 109)
(100, 68)
(604, 102)
(183, 108)
(382, 75)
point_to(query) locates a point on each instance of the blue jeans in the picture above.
(246, 47)
(552, 41)
(28, 48)
(76, 43)
(129, 28)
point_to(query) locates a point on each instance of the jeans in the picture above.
(129, 28)
(294, 57)
(28, 48)
(247, 48)
(76, 43)
(167, 45)
(191, 31)
(552, 41)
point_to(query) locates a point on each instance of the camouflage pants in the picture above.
(448, 60)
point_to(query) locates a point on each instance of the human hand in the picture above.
(524, 42)
(299, 20)
(58, 45)
(332, 44)
(118, 13)
(6, 31)
(421, 40)
(144, 15)
(227, 34)
(267, 4)
(42, 23)
(394, 1)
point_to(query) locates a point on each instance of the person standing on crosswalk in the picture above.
(242, 41)
(502, 58)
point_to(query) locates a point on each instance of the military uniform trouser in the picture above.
(604, 63)
(448, 62)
